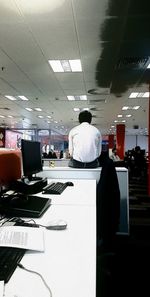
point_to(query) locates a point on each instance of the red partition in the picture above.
(120, 140)
(110, 141)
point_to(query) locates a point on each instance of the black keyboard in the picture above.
(55, 188)
(10, 257)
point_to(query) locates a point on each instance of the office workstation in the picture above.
(68, 262)
(70, 252)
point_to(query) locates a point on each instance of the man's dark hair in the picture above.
(85, 116)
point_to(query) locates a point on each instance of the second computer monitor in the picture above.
(31, 157)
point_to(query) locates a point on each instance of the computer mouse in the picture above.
(69, 183)
(56, 225)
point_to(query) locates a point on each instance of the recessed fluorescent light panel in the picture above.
(146, 95)
(38, 109)
(73, 98)
(128, 115)
(23, 98)
(136, 107)
(133, 95)
(130, 107)
(75, 65)
(76, 109)
(125, 107)
(148, 67)
(66, 65)
(28, 109)
(10, 97)
(86, 108)
(40, 116)
(139, 95)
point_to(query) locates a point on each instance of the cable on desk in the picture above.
(35, 272)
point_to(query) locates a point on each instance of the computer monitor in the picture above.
(31, 158)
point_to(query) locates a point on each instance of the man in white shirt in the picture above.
(85, 143)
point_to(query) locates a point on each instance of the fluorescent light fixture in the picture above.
(56, 65)
(49, 117)
(83, 97)
(146, 95)
(75, 65)
(1, 116)
(10, 116)
(112, 126)
(40, 116)
(140, 95)
(55, 122)
(71, 98)
(38, 109)
(123, 121)
(23, 98)
(136, 107)
(48, 122)
(10, 97)
(29, 109)
(133, 95)
(76, 109)
(128, 115)
(66, 65)
(119, 115)
(85, 108)
(115, 121)
(148, 67)
(125, 107)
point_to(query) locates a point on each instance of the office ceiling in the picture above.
(110, 37)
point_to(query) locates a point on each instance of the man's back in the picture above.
(85, 142)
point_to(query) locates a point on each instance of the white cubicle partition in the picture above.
(94, 173)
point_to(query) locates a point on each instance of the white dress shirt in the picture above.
(85, 142)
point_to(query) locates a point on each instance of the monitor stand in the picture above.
(28, 187)
(32, 178)
(21, 205)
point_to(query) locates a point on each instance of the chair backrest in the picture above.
(10, 166)
(108, 201)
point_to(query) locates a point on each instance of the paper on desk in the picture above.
(22, 237)
(1, 288)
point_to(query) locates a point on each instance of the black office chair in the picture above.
(108, 204)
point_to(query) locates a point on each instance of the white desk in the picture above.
(69, 262)
(82, 193)
(76, 175)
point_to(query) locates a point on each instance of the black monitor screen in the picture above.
(31, 157)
